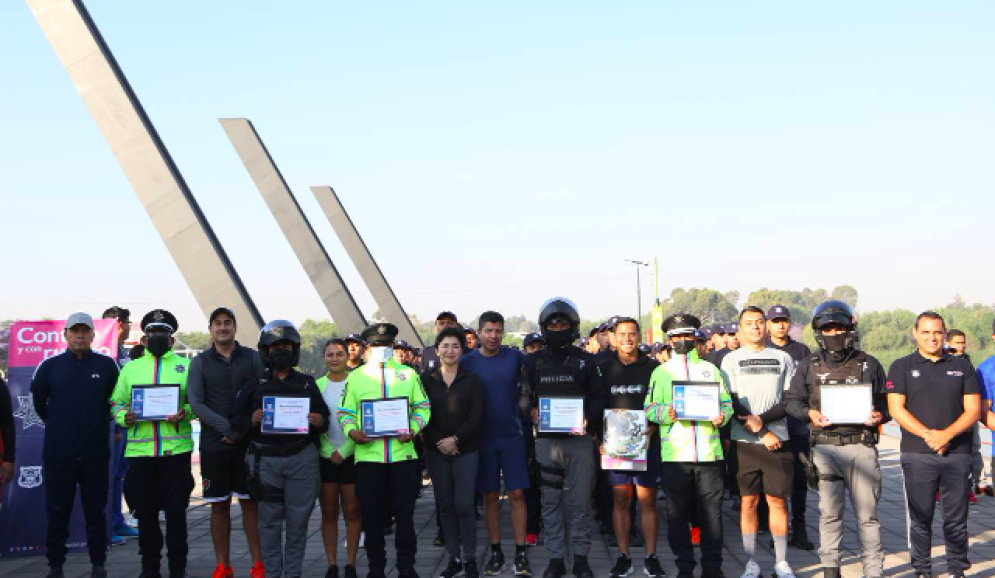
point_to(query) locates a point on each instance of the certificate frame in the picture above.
(268, 425)
(367, 412)
(138, 393)
(546, 404)
(866, 394)
(679, 397)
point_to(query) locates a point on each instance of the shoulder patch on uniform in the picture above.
(180, 368)
(402, 376)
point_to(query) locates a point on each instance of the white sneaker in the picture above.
(752, 569)
(782, 570)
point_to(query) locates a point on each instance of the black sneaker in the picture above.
(652, 568)
(453, 569)
(799, 538)
(332, 572)
(376, 573)
(622, 567)
(470, 569)
(556, 568)
(522, 567)
(438, 541)
(581, 568)
(98, 571)
(350, 571)
(495, 565)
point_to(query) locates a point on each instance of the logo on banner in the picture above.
(26, 411)
(30, 477)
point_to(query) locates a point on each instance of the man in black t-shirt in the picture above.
(936, 399)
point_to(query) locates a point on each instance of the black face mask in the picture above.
(837, 346)
(281, 359)
(158, 344)
(683, 346)
(559, 339)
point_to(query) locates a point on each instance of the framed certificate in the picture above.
(696, 400)
(155, 402)
(385, 418)
(625, 442)
(847, 403)
(561, 414)
(285, 415)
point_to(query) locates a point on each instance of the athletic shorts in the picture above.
(344, 473)
(507, 457)
(224, 475)
(647, 479)
(759, 470)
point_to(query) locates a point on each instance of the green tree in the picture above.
(314, 334)
(708, 305)
(200, 340)
(846, 294)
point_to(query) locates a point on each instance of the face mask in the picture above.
(381, 354)
(836, 344)
(683, 346)
(281, 359)
(559, 339)
(158, 344)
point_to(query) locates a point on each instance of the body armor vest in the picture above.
(562, 381)
(820, 373)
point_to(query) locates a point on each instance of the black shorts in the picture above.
(224, 475)
(344, 473)
(759, 470)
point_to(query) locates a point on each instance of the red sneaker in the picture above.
(695, 536)
(972, 499)
(531, 539)
(258, 570)
(222, 571)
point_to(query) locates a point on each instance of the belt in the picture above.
(837, 439)
(279, 451)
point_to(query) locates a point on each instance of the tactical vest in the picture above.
(271, 387)
(850, 372)
(565, 380)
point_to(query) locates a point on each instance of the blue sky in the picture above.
(494, 156)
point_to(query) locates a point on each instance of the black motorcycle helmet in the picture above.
(559, 307)
(274, 332)
(835, 312)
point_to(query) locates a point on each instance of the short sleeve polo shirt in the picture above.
(934, 394)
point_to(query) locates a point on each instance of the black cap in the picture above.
(379, 334)
(532, 338)
(643, 347)
(221, 311)
(719, 328)
(593, 332)
(447, 315)
(119, 313)
(469, 330)
(354, 337)
(706, 330)
(680, 324)
(401, 344)
(700, 335)
(778, 312)
(604, 327)
(731, 328)
(160, 318)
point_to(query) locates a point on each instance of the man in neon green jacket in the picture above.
(158, 452)
(690, 450)
(386, 467)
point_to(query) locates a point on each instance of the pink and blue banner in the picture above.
(22, 508)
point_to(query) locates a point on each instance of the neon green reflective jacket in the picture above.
(686, 441)
(327, 447)
(379, 381)
(154, 438)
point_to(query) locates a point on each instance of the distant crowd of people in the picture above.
(736, 412)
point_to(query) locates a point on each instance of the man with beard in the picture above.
(216, 375)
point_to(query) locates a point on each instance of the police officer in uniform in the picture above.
(387, 468)
(158, 452)
(283, 467)
(845, 456)
(566, 461)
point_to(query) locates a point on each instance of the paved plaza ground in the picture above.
(124, 560)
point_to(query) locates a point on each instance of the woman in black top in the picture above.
(450, 438)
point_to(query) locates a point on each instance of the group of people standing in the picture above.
(472, 417)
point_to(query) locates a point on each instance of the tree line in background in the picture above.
(885, 334)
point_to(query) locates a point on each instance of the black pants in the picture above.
(925, 474)
(533, 496)
(61, 478)
(799, 491)
(377, 486)
(155, 484)
(694, 487)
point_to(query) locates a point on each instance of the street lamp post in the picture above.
(639, 290)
